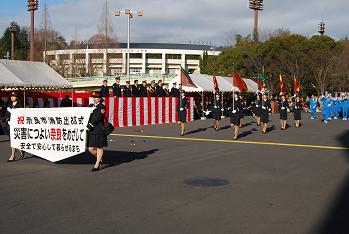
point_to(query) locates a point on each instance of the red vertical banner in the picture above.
(116, 113)
(134, 108)
(149, 111)
(170, 110)
(142, 117)
(157, 110)
(125, 111)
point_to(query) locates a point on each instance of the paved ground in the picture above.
(301, 186)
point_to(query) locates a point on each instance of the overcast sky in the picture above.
(181, 21)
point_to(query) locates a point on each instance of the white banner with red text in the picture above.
(50, 133)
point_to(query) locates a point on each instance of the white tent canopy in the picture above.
(204, 83)
(30, 75)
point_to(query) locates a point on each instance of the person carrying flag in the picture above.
(235, 116)
(266, 108)
(182, 111)
(283, 106)
(216, 111)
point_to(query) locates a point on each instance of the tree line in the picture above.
(319, 63)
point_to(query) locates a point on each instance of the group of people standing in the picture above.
(136, 90)
(336, 107)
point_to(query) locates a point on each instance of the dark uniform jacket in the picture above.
(96, 121)
(66, 102)
(235, 107)
(143, 91)
(174, 92)
(266, 107)
(217, 105)
(135, 91)
(159, 91)
(283, 106)
(184, 104)
(104, 91)
(11, 106)
(166, 93)
(116, 90)
(127, 91)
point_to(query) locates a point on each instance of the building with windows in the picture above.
(145, 58)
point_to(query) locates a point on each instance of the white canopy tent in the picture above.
(24, 74)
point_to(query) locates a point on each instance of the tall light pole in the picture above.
(13, 29)
(130, 14)
(33, 5)
(321, 28)
(255, 5)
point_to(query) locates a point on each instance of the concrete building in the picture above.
(145, 58)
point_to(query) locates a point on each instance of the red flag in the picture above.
(186, 80)
(215, 84)
(261, 86)
(296, 85)
(282, 87)
(238, 82)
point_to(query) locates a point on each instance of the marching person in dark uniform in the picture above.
(117, 87)
(266, 108)
(297, 109)
(135, 89)
(174, 91)
(283, 106)
(235, 114)
(216, 111)
(127, 90)
(159, 89)
(66, 102)
(151, 90)
(182, 111)
(104, 91)
(257, 109)
(143, 89)
(96, 137)
(14, 104)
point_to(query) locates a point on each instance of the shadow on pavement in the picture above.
(336, 220)
(110, 158)
(196, 131)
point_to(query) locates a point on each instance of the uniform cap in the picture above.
(96, 94)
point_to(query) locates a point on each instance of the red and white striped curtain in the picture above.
(139, 111)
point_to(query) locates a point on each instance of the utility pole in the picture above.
(33, 5)
(13, 29)
(45, 32)
(256, 6)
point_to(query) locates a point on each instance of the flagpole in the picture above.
(222, 112)
(203, 106)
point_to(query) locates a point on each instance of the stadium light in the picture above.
(130, 14)
(255, 5)
(321, 28)
(33, 5)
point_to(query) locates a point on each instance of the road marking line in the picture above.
(237, 142)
